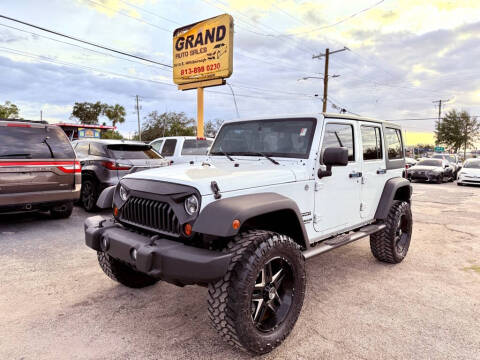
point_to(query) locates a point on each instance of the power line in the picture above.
(149, 12)
(84, 41)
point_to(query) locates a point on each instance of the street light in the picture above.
(316, 77)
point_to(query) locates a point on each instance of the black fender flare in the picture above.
(217, 217)
(105, 200)
(390, 193)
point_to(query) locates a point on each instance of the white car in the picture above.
(470, 173)
(182, 149)
(274, 193)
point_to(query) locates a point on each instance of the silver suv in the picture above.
(105, 162)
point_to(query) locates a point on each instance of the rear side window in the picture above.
(169, 147)
(97, 149)
(82, 149)
(34, 143)
(196, 147)
(339, 135)
(371, 143)
(126, 151)
(157, 145)
(394, 143)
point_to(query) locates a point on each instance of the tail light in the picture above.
(71, 169)
(110, 165)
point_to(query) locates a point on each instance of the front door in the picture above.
(337, 197)
(374, 170)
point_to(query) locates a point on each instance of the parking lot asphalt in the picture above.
(55, 302)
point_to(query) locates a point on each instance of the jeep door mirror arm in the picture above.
(333, 156)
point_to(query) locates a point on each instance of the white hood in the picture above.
(248, 174)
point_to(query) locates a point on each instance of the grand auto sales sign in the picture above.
(203, 51)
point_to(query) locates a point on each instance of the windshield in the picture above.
(124, 151)
(430, 162)
(291, 138)
(472, 165)
(196, 147)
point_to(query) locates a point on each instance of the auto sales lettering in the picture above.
(203, 51)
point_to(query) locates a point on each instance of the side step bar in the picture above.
(340, 240)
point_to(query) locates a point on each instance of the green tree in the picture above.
(211, 127)
(110, 134)
(457, 130)
(9, 111)
(167, 124)
(87, 113)
(115, 113)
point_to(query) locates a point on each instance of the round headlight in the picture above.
(123, 193)
(191, 205)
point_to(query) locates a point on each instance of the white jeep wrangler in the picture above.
(272, 194)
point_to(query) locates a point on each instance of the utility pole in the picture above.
(137, 107)
(439, 102)
(325, 77)
(41, 115)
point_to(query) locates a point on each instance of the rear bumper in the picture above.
(161, 258)
(39, 197)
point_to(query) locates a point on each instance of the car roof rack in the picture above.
(25, 120)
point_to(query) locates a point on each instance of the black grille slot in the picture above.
(151, 214)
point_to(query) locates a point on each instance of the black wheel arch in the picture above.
(395, 189)
(266, 211)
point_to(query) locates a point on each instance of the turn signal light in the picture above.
(187, 229)
(115, 211)
(236, 224)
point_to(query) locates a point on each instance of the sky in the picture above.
(402, 56)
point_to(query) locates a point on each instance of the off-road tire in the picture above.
(229, 299)
(383, 243)
(122, 273)
(62, 211)
(89, 201)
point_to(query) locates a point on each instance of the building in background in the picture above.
(82, 131)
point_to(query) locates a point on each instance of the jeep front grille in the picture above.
(151, 214)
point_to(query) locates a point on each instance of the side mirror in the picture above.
(333, 156)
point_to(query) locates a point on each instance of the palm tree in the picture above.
(116, 113)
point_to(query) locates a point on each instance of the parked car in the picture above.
(182, 149)
(470, 173)
(105, 162)
(38, 169)
(274, 193)
(452, 160)
(431, 170)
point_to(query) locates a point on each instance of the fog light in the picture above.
(133, 254)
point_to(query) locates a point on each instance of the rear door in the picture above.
(168, 149)
(35, 158)
(374, 170)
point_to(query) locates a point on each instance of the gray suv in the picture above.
(105, 162)
(38, 169)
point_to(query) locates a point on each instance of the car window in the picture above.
(472, 165)
(27, 142)
(339, 135)
(132, 151)
(82, 149)
(393, 138)
(169, 147)
(157, 145)
(372, 143)
(430, 162)
(97, 149)
(196, 147)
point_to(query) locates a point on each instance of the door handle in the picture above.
(381, 171)
(355, 174)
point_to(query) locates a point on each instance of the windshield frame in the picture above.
(270, 154)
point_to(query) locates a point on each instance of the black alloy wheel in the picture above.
(272, 294)
(89, 195)
(402, 234)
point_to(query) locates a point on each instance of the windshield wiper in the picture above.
(11, 155)
(261, 154)
(222, 153)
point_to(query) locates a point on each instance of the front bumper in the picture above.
(468, 180)
(161, 258)
(425, 176)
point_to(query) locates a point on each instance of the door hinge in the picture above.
(318, 186)
(316, 218)
(363, 207)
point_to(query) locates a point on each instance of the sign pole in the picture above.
(200, 112)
